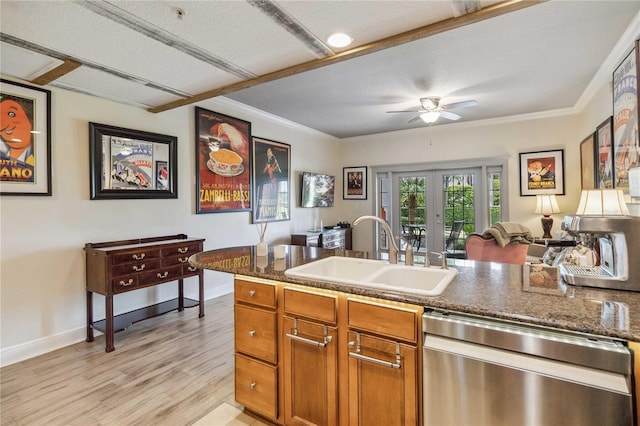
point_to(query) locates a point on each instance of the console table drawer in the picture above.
(135, 256)
(142, 266)
(161, 275)
(182, 249)
(125, 283)
(176, 260)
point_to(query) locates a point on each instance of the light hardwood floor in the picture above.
(168, 370)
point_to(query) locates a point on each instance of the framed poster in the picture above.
(604, 149)
(25, 139)
(625, 119)
(587, 161)
(132, 164)
(272, 180)
(542, 172)
(354, 183)
(223, 163)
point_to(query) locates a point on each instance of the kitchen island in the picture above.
(313, 352)
(481, 288)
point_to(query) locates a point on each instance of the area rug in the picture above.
(227, 415)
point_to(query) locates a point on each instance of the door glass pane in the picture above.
(459, 210)
(384, 208)
(495, 198)
(412, 211)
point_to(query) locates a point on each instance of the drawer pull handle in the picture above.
(138, 257)
(162, 275)
(183, 259)
(183, 249)
(294, 336)
(252, 293)
(138, 268)
(361, 357)
(252, 385)
(192, 268)
(252, 333)
(124, 284)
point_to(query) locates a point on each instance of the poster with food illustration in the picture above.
(625, 119)
(223, 163)
(542, 173)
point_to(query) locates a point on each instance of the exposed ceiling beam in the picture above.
(62, 69)
(392, 41)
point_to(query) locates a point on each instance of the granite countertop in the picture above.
(482, 288)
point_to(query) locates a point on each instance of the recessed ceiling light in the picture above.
(339, 40)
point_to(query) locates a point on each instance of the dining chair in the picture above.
(452, 241)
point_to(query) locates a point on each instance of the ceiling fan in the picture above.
(432, 110)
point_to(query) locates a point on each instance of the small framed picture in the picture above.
(541, 278)
(354, 182)
(604, 149)
(542, 172)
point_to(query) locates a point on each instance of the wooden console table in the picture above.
(116, 267)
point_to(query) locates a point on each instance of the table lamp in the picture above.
(602, 202)
(546, 205)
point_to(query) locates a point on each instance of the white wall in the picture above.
(42, 298)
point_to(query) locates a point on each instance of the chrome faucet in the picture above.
(393, 248)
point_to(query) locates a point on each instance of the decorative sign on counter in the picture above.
(223, 163)
(541, 278)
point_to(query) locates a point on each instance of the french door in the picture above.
(435, 209)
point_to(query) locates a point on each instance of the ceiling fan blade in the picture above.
(461, 104)
(414, 119)
(408, 110)
(450, 115)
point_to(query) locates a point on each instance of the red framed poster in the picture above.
(223, 163)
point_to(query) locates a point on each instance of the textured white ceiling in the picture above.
(533, 60)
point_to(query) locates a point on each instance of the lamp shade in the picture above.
(602, 202)
(546, 205)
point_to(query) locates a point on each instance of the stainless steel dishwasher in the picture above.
(479, 371)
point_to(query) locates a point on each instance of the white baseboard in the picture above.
(27, 350)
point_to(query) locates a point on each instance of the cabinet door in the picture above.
(383, 386)
(310, 373)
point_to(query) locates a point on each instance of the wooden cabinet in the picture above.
(341, 359)
(116, 267)
(383, 364)
(310, 358)
(339, 238)
(256, 347)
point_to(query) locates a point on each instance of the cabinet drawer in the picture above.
(135, 256)
(175, 260)
(255, 293)
(257, 386)
(389, 321)
(139, 266)
(181, 249)
(161, 275)
(321, 307)
(124, 283)
(189, 271)
(255, 332)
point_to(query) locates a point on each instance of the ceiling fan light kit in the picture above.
(430, 117)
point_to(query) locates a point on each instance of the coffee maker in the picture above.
(613, 237)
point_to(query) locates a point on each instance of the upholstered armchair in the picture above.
(485, 248)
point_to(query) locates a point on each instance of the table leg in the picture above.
(201, 293)
(89, 316)
(108, 302)
(180, 295)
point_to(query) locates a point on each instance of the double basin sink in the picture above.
(376, 274)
